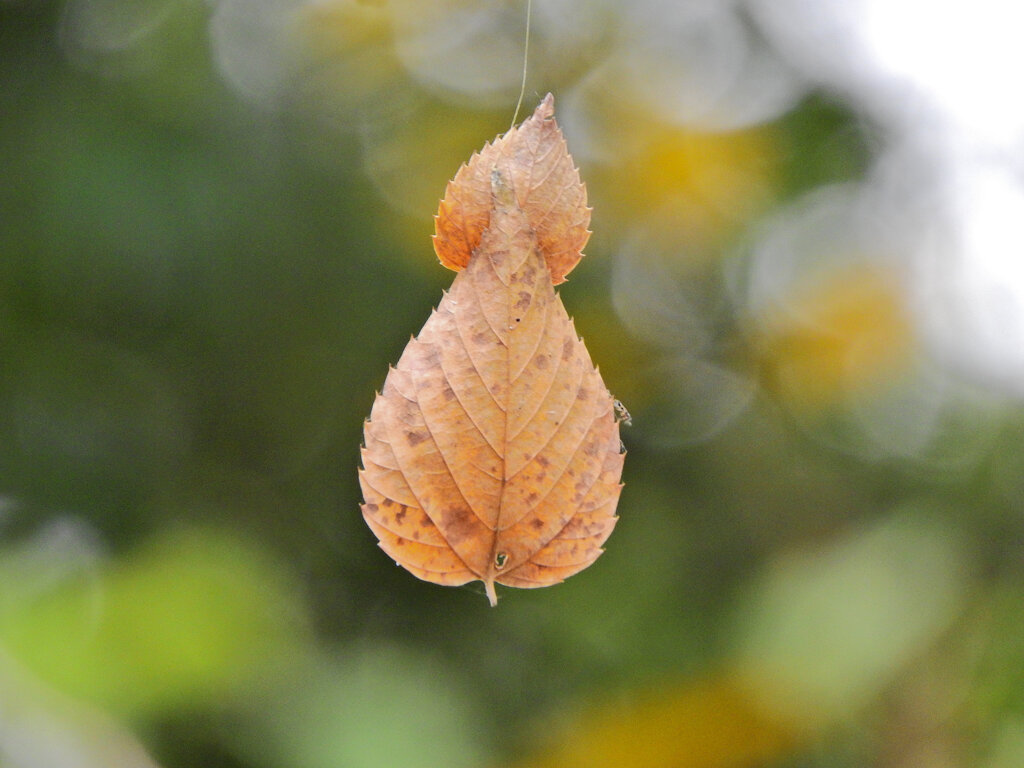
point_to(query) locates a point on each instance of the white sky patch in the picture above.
(964, 57)
(972, 282)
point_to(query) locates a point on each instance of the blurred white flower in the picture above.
(970, 278)
(469, 48)
(114, 38)
(942, 78)
(256, 46)
(698, 64)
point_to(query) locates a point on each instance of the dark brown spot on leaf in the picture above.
(567, 347)
(415, 436)
(457, 523)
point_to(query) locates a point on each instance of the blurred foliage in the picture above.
(192, 618)
(214, 236)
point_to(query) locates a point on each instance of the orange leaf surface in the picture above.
(534, 161)
(492, 452)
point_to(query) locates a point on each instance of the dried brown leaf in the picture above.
(535, 162)
(493, 450)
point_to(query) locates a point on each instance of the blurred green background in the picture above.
(215, 224)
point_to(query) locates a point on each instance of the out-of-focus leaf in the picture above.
(192, 616)
(999, 670)
(367, 709)
(824, 631)
(39, 728)
(1007, 748)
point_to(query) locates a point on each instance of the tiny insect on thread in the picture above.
(622, 415)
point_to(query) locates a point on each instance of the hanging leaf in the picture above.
(492, 452)
(535, 163)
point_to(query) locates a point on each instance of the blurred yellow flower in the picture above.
(703, 724)
(841, 335)
(687, 185)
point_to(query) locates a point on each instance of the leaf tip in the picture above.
(546, 108)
